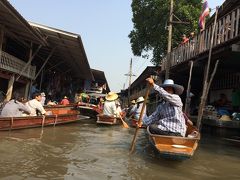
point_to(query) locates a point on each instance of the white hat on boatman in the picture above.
(170, 83)
(140, 99)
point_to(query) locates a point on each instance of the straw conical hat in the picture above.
(111, 96)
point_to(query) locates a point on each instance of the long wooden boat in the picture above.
(109, 120)
(176, 147)
(90, 110)
(57, 117)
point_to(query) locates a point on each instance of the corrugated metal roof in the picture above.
(69, 48)
(13, 22)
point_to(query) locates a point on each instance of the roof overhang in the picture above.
(69, 48)
(14, 23)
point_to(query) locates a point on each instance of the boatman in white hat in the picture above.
(110, 108)
(136, 110)
(168, 118)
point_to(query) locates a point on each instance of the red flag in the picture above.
(205, 13)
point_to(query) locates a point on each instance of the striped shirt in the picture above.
(168, 115)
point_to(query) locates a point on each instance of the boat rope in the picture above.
(56, 118)
(43, 120)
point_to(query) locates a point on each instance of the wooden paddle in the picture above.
(125, 125)
(139, 120)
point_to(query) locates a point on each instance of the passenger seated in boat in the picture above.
(133, 102)
(35, 105)
(168, 118)
(15, 107)
(65, 101)
(110, 108)
(120, 112)
(51, 103)
(101, 103)
(136, 110)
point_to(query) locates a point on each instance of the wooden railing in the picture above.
(227, 28)
(15, 65)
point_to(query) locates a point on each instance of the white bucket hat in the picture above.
(140, 99)
(170, 83)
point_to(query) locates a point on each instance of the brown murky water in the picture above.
(85, 150)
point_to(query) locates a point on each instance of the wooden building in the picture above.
(18, 44)
(138, 87)
(100, 81)
(226, 49)
(53, 60)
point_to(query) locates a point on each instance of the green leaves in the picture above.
(150, 21)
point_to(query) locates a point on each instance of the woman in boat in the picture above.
(35, 105)
(15, 107)
(168, 119)
(136, 110)
(110, 108)
(65, 101)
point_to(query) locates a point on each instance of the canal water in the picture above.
(85, 150)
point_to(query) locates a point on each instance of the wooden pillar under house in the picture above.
(10, 87)
(29, 84)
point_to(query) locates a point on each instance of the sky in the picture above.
(104, 27)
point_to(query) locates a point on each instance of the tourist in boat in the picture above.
(110, 108)
(120, 112)
(65, 101)
(168, 118)
(35, 105)
(136, 110)
(128, 110)
(15, 107)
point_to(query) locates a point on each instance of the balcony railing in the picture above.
(15, 65)
(227, 28)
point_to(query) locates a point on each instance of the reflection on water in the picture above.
(85, 150)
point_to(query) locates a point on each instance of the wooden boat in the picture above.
(235, 140)
(133, 123)
(222, 128)
(57, 117)
(110, 120)
(176, 147)
(90, 110)
(60, 107)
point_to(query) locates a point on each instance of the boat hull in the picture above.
(175, 147)
(13, 123)
(108, 120)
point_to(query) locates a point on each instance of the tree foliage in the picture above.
(150, 21)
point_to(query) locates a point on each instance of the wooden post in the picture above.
(188, 98)
(1, 40)
(26, 91)
(49, 56)
(206, 82)
(169, 40)
(29, 62)
(10, 88)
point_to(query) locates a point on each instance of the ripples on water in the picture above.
(85, 150)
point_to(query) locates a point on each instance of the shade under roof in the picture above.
(69, 48)
(14, 23)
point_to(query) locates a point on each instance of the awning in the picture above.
(14, 23)
(69, 49)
